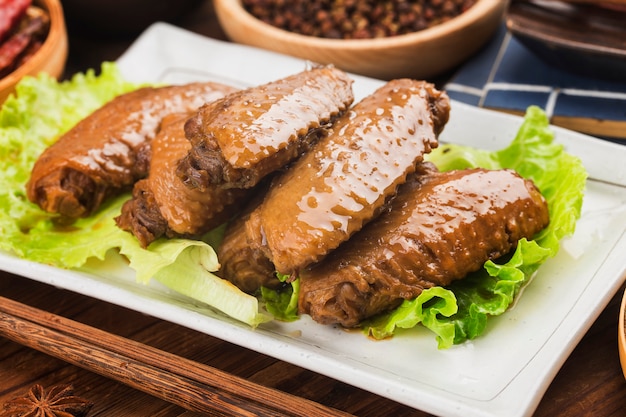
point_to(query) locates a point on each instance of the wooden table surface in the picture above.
(590, 383)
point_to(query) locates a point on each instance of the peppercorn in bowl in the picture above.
(33, 39)
(382, 39)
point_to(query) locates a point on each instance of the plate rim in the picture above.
(438, 404)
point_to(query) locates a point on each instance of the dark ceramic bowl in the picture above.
(583, 38)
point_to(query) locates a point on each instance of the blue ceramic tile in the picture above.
(515, 100)
(602, 108)
(506, 75)
(464, 97)
(475, 73)
(520, 66)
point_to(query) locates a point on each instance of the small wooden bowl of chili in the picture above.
(33, 41)
(380, 39)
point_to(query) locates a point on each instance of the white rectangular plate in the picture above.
(502, 374)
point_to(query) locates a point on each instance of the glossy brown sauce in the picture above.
(449, 205)
(331, 191)
(356, 169)
(187, 211)
(257, 122)
(439, 228)
(109, 149)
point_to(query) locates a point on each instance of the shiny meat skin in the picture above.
(244, 265)
(240, 139)
(109, 150)
(343, 182)
(439, 228)
(163, 206)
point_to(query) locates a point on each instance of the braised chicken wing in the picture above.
(163, 206)
(339, 185)
(342, 183)
(439, 228)
(109, 150)
(238, 140)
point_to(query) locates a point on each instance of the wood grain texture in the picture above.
(589, 384)
(186, 383)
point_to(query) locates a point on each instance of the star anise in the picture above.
(59, 401)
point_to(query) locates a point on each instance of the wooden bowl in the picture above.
(421, 55)
(50, 58)
(621, 334)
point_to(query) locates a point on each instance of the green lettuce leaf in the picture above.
(282, 304)
(41, 111)
(427, 308)
(559, 176)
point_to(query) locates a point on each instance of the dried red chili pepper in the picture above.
(11, 49)
(11, 11)
(24, 40)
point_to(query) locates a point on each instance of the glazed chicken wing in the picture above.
(339, 185)
(342, 183)
(243, 264)
(109, 150)
(239, 139)
(439, 228)
(163, 206)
